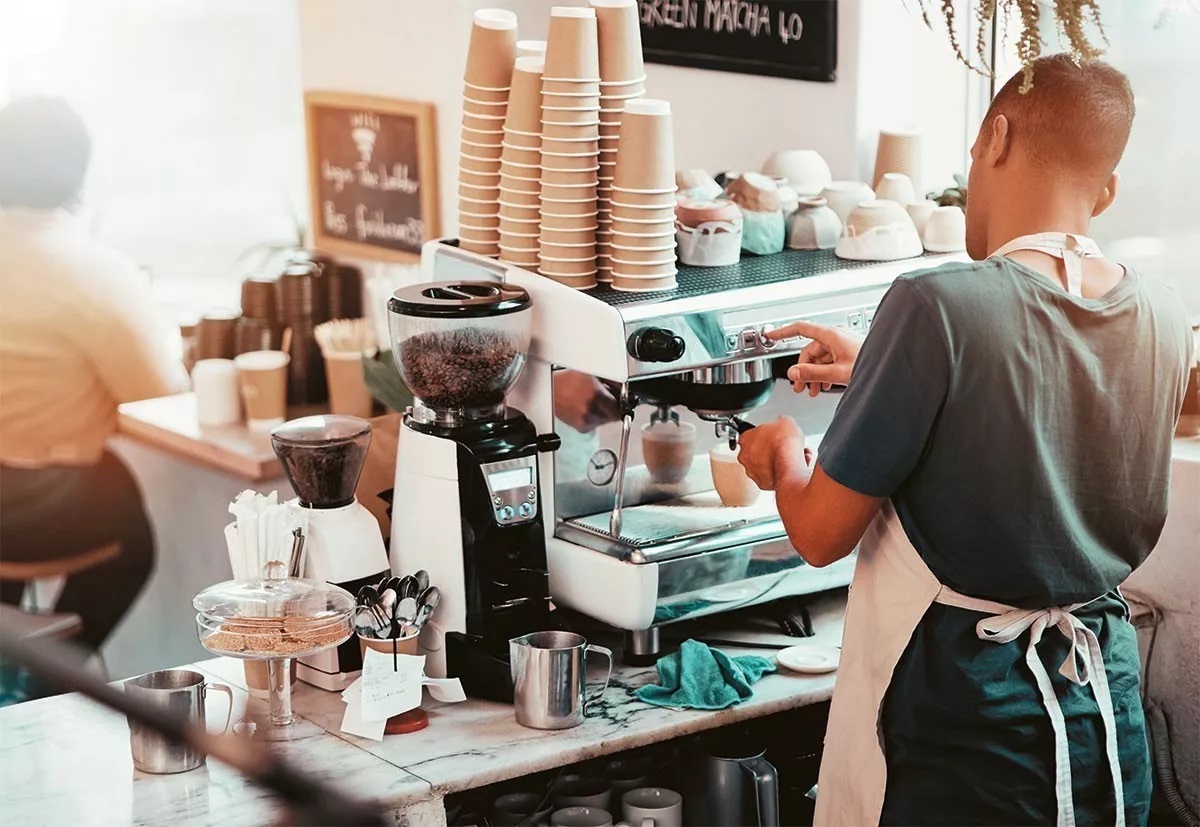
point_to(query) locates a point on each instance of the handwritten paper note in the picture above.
(391, 684)
(353, 722)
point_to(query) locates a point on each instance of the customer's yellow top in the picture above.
(79, 334)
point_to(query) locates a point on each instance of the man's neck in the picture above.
(1034, 210)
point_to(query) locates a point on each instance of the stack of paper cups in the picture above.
(521, 166)
(643, 199)
(570, 148)
(622, 79)
(487, 82)
(898, 151)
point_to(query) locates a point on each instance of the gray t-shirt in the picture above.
(1023, 434)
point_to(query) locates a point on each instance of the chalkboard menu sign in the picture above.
(782, 38)
(372, 175)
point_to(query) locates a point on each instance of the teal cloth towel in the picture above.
(700, 677)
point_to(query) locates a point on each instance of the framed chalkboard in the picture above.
(372, 167)
(781, 38)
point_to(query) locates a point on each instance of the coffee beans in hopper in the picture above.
(460, 369)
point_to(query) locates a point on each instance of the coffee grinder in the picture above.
(466, 505)
(323, 457)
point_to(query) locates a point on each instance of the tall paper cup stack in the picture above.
(570, 126)
(486, 85)
(622, 78)
(520, 168)
(643, 199)
(898, 151)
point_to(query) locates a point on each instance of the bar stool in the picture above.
(27, 572)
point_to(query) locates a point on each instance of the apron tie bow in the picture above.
(1083, 666)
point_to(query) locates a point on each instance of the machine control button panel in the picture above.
(857, 322)
(767, 344)
(512, 487)
(751, 340)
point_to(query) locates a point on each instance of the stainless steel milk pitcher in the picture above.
(549, 672)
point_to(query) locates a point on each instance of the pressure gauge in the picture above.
(602, 467)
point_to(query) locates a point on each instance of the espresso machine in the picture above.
(621, 546)
(323, 457)
(467, 503)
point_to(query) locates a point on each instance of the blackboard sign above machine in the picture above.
(780, 38)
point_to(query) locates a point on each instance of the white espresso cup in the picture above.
(736, 489)
(652, 807)
(215, 382)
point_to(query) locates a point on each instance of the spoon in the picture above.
(408, 587)
(422, 577)
(364, 622)
(406, 613)
(387, 602)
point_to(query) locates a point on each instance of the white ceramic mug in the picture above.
(895, 186)
(581, 817)
(919, 212)
(736, 489)
(946, 231)
(652, 807)
(215, 383)
(667, 449)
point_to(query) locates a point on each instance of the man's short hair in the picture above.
(1076, 118)
(44, 153)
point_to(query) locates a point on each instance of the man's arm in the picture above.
(824, 519)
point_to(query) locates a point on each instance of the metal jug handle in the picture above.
(766, 788)
(220, 687)
(600, 650)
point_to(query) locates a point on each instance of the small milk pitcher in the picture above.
(549, 675)
(182, 693)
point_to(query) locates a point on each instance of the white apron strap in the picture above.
(1084, 665)
(1071, 248)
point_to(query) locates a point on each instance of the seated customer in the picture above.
(79, 335)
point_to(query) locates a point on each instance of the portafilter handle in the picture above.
(732, 427)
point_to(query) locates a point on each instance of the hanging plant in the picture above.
(1072, 18)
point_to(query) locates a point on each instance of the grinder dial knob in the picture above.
(656, 344)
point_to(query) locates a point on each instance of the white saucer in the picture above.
(809, 658)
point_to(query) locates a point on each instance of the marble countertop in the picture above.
(65, 760)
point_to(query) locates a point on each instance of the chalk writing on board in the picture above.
(788, 38)
(371, 172)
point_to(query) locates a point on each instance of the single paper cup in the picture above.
(644, 198)
(568, 178)
(525, 99)
(481, 152)
(570, 237)
(625, 284)
(569, 117)
(480, 195)
(479, 248)
(642, 258)
(531, 48)
(518, 200)
(527, 259)
(484, 95)
(573, 88)
(483, 110)
(479, 166)
(576, 282)
(570, 103)
(735, 488)
(648, 126)
(619, 38)
(348, 392)
(642, 214)
(521, 140)
(262, 381)
(555, 166)
(492, 50)
(621, 224)
(483, 124)
(481, 180)
(488, 137)
(476, 221)
(660, 269)
(572, 48)
(557, 189)
(586, 147)
(568, 209)
(632, 246)
(580, 133)
(523, 157)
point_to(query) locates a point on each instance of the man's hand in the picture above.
(582, 402)
(827, 360)
(774, 451)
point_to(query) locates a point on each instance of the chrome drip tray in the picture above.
(666, 530)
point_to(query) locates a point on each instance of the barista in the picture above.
(1002, 451)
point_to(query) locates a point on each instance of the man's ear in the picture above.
(1107, 195)
(998, 146)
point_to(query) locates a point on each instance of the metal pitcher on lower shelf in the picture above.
(731, 785)
(549, 672)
